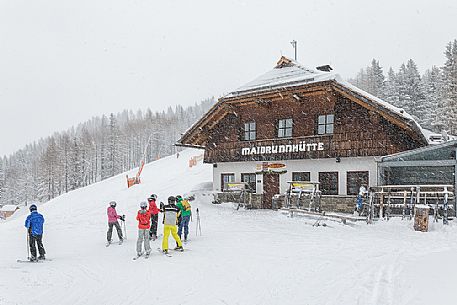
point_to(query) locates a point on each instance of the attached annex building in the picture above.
(312, 123)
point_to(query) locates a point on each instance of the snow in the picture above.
(243, 257)
(294, 74)
(437, 138)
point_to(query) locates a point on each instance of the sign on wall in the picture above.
(280, 149)
(275, 167)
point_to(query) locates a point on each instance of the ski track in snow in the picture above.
(243, 257)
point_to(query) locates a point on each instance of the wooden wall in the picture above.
(357, 131)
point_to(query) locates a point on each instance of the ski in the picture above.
(111, 243)
(183, 250)
(29, 261)
(137, 257)
(166, 254)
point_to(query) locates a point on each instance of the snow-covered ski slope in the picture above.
(243, 257)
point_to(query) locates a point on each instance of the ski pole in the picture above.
(125, 230)
(28, 243)
(198, 227)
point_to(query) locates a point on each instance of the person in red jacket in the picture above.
(154, 216)
(144, 223)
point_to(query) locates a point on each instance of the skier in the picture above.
(34, 224)
(154, 216)
(186, 212)
(359, 201)
(170, 219)
(144, 224)
(112, 221)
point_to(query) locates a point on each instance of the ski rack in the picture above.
(399, 200)
(300, 190)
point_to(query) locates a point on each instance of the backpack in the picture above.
(186, 205)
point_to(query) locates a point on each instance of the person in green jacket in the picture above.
(186, 212)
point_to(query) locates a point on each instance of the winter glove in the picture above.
(122, 217)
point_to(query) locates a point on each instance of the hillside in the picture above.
(243, 257)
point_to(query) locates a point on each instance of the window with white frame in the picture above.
(249, 131)
(285, 128)
(325, 124)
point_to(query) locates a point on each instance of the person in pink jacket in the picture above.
(112, 221)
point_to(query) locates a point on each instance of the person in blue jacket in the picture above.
(34, 224)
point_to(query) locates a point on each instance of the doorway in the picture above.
(270, 188)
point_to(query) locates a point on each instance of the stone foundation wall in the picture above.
(255, 199)
(329, 203)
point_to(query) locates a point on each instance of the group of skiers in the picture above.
(177, 212)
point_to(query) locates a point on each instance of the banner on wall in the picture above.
(272, 167)
(195, 159)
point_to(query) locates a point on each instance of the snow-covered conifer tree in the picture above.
(450, 86)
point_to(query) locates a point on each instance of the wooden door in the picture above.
(270, 188)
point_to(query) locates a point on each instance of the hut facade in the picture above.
(294, 123)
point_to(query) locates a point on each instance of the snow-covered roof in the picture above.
(403, 154)
(289, 73)
(9, 208)
(437, 138)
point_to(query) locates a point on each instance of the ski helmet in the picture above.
(143, 205)
(171, 199)
(178, 197)
(152, 197)
(113, 204)
(33, 207)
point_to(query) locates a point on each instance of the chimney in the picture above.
(324, 68)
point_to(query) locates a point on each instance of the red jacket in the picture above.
(153, 207)
(144, 219)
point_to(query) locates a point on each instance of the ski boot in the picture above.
(165, 251)
(179, 248)
(121, 241)
(41, 257)
(33, 259)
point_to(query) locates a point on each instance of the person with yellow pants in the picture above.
(170, 220)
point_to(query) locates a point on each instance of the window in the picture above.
(355, 180)
(249, 179)
(226, 178)
(325, 124)
(300, 176)
(285, 128)
(249, 131)
(328, 183)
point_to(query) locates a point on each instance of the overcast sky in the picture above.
(62, 62)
